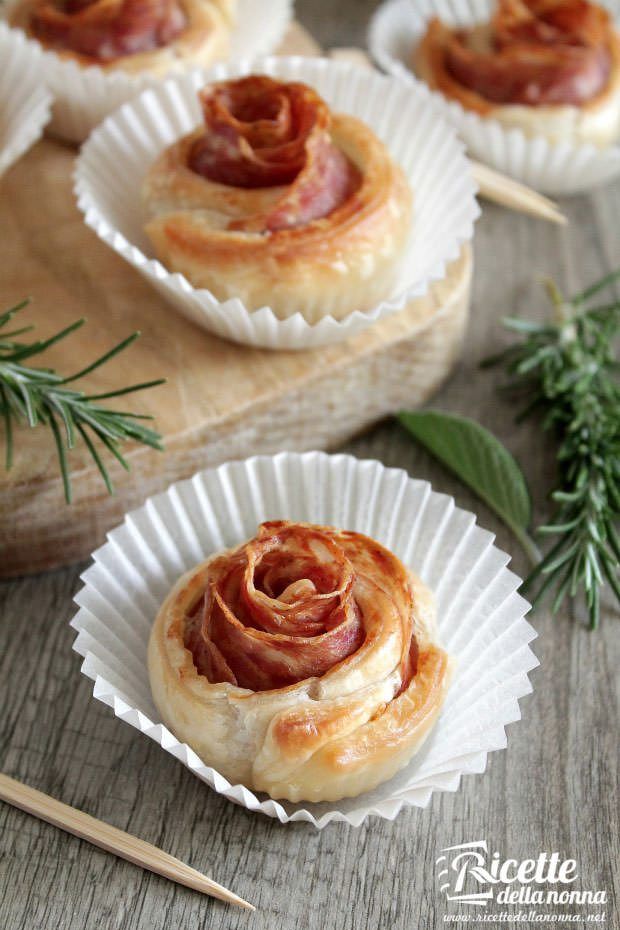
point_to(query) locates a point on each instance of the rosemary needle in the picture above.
(565, 370)
(42, 397)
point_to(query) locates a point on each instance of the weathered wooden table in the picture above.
(555, 788)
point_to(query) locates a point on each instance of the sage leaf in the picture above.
(481, 462)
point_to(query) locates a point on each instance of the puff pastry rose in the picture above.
(131, 35)
(550, 67)
(301, 663)
(280, 202)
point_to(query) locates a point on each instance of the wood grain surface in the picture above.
(219, 398)
(554, 788)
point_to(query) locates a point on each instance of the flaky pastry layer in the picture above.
(596, 121)
(345, 261)
(319, 739)
(204, 39)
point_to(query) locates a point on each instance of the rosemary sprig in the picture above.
(40, 396)
(566, 371)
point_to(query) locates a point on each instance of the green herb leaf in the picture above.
(481, 462)
(39, 396)
(567, 372)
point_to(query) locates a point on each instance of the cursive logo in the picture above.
(466, 873)
(468, 859)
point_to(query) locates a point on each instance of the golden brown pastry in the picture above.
(151, 36)
(549, 67)
(279, 202)
(301, 664)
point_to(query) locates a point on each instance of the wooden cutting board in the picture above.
(221, 401)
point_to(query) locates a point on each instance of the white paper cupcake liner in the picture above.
(480, 615)
(553, 168)
(113, 163)
(85, 96)
(24, 101)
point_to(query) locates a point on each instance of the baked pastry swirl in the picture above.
(301, 663)
(550, 67)
(132, 35)
(280, 202)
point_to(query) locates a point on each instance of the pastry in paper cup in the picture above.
(24, 101)
(545, 112)
(277, 200)
(387, 199)
(97, 54)
(189, 544)
(302, 663)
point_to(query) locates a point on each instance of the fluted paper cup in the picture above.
(24, 101)
(114, 161)
(480, 615)
(85, 96)
(553, 168)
